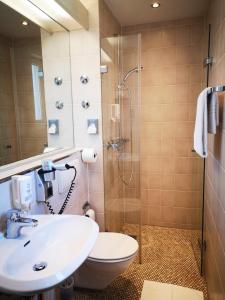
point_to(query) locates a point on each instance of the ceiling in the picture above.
(133, 12)
(10, 24)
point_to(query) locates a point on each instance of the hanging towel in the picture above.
(201, 124)
(213, 113)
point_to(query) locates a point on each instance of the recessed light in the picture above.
(25, 23)
(155, 4)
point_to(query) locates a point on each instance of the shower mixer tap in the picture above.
(116, 144)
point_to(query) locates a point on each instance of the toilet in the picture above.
(111, 256)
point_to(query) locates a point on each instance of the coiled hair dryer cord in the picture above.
(67, 196)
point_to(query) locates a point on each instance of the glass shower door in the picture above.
(120, 57)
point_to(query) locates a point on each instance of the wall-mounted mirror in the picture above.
(30, 59)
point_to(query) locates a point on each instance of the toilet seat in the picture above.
(112, 246)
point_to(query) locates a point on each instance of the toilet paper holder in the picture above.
(86, 207)
(88, 211)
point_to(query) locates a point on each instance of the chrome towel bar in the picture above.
(217, 89)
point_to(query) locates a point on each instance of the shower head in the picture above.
(128, 74)
(131, 72)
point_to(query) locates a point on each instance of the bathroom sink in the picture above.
(46, 255)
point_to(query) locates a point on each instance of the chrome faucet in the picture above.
(15, 222)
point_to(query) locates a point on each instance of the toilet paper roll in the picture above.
(90, 213)
(89, 155)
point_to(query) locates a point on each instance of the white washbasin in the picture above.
(62, 242)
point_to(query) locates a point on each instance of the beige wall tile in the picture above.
(167, 147)
(145, 215)
(152, 39)
(155, 214)
(182, 93)
(151, 181)
(215, 209)
(168, 75)
(168, 198)
(183, 35)
(100, 219)
(168, 214)
(168, 36)
(168, 182)
(151, 197)
(151, 76)
(171, 81)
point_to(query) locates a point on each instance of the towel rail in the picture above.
(217, 89)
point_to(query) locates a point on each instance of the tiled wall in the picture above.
(215, 167)
(85, 59)
(109, 26)
(8, 130)
(32, 133)
(171, 80)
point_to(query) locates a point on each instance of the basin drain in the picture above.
(39, 267)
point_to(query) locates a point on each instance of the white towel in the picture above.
(201, 124)
(213, 113)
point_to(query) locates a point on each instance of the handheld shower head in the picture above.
(128, 74)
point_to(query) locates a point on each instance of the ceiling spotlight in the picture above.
(25, 23)
(155, 4)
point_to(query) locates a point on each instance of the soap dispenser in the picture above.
(92, 126)
(22, 192)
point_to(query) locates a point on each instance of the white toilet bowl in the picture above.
(111, 256)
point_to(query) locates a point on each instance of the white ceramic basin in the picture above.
(62, 242)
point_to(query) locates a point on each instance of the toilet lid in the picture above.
(113, 246)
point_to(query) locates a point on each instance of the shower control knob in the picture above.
(58, 80)
(85, 104)
(84, 79)
(59, 104)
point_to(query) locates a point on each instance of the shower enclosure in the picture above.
(121, 73)
(170, 194)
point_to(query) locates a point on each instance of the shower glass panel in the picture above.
(121, 73)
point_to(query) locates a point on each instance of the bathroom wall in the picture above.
(215, 164)
(8, 131)
(32, 133)
(109, 31)
(85, 60)
(109, 26)
(69, 55)
(171, 174)
(56, 63)
(78, 198)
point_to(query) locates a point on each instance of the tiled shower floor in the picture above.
(167, 257)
